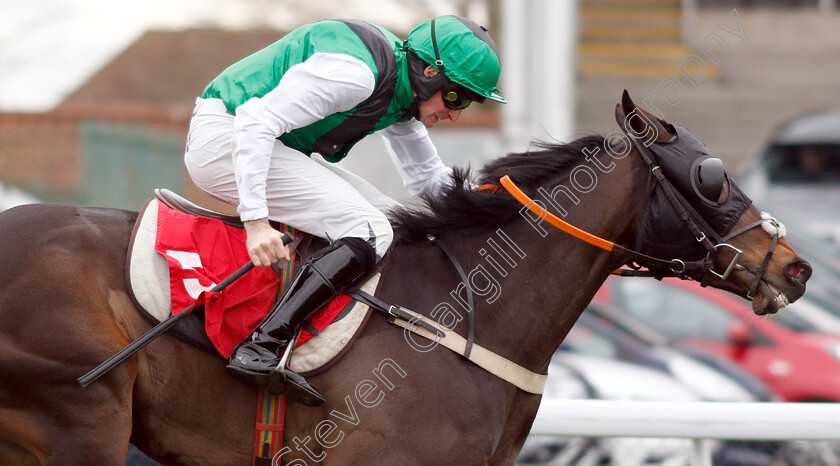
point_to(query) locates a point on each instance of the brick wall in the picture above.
(40, 152)
(43, 154)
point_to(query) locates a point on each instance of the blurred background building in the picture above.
(95, 96)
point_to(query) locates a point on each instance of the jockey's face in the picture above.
(434, 110)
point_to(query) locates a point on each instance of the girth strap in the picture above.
(470, 299)
(499, 366)
(391, 311)
(396, 311)
(503, 368)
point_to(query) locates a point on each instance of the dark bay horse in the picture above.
(391, 399)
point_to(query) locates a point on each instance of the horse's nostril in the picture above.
(798, 271)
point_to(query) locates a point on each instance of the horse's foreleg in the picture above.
(12, 453)
(93, 447)
(52, 428)
(42, 406)
(63, 310)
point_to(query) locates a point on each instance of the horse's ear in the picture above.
(640, 123)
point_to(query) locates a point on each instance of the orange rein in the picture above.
(510, 186)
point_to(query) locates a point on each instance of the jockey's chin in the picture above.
(433, 110)
(432, 119)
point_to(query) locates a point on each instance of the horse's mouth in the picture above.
(769, 299)
(770, 295)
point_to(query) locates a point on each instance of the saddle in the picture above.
(325, 337)
(336, 326)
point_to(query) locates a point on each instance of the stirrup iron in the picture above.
(287, 356)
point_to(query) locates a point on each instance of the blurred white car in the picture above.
(590, 376)
(578, 376)
(607, 332)
(797, 174)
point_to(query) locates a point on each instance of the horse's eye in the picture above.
(708, 178)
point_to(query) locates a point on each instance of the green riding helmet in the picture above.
(462, 50)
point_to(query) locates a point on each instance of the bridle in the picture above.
(704, 234)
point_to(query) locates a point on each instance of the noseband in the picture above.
(776, 230)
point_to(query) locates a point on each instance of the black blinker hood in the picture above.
(662, 233)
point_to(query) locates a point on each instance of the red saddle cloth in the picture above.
(202, 252)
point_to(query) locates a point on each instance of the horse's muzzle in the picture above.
(798, 271)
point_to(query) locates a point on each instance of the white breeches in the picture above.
(307, 193)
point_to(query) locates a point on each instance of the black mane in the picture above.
(459, 208)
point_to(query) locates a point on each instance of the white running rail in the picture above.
(700, 421)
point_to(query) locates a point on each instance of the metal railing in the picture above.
(701, 422)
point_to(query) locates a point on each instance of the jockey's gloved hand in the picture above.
(265, 244)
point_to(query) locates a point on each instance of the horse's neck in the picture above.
(544, 283)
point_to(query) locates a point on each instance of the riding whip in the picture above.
(162, 327)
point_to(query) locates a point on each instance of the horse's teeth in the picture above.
(782, 300)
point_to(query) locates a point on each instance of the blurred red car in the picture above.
(782, 350)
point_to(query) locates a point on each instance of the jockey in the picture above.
(320, 89)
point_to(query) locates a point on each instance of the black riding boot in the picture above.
(322, 278)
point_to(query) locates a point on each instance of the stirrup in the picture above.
(277, 378)
(284, 380)
(287, 353)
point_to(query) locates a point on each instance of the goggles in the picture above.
(455, 97)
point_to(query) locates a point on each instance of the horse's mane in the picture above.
(457, 208)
